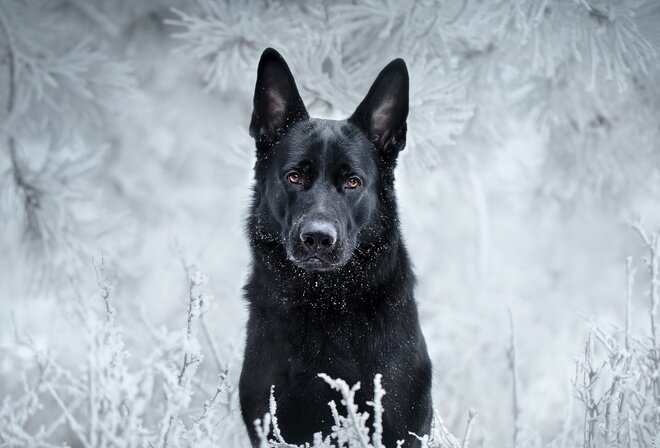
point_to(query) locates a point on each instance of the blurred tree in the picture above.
(60, 85)
(557, 99)
(577, 69)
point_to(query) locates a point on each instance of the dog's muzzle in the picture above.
(315, 244)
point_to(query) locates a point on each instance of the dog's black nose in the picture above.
(318, 236)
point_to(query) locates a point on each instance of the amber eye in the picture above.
(294, 178)
(353, 182)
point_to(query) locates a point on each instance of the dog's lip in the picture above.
(315, 263)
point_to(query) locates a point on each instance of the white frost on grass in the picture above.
(350, 430)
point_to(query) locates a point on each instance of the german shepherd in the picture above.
(331, 283)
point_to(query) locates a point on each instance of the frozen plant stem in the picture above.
(212, 345)
(514, 374)
(104, 284)
(187, 269)
(348, 394)
(468, 429)
(211, 403)
(189, 359)
(377, 405)
(653, 264)
(76, 427)
(630, 280)
(589, 377)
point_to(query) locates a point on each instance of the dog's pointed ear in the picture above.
(383, 112)
(277, 103)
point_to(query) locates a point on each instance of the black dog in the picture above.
(331, 287)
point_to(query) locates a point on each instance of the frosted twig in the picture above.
(202, 317)
(335, 412)
(211, 402)
(103, 282)
(189, 358)
(472, 414)
(73, 423)
(272, 410)
(651, 241)
(630, 280)
(514, 373)
(263, 429)
(586, 392)
(377, 405)
(348, 399)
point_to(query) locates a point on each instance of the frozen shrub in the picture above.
(618, 377)
(350, 430)
(111, 402)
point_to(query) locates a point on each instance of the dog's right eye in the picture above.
(294, 178)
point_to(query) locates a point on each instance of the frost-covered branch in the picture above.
(354, 420)
(179, 394)
(652, 245)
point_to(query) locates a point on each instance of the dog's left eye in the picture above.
(294, 178)
(353, 182)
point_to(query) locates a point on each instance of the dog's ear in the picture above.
(383, 112)
(277, 103)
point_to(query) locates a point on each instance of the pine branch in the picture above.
(29, 192)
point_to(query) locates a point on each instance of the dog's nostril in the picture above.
(317, 240)
(318, 236)
(308, 240)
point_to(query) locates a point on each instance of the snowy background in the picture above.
(125, 167)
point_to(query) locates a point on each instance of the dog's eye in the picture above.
(353, 182)
(294, 178)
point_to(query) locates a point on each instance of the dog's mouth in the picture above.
(315, 263)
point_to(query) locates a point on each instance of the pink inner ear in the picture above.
(276, 104)
(381, 116)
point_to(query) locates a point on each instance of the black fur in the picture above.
(331, 287)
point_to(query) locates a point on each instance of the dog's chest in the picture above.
(337, 351)
(340, 346)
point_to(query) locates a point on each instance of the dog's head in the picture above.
(323, 187)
